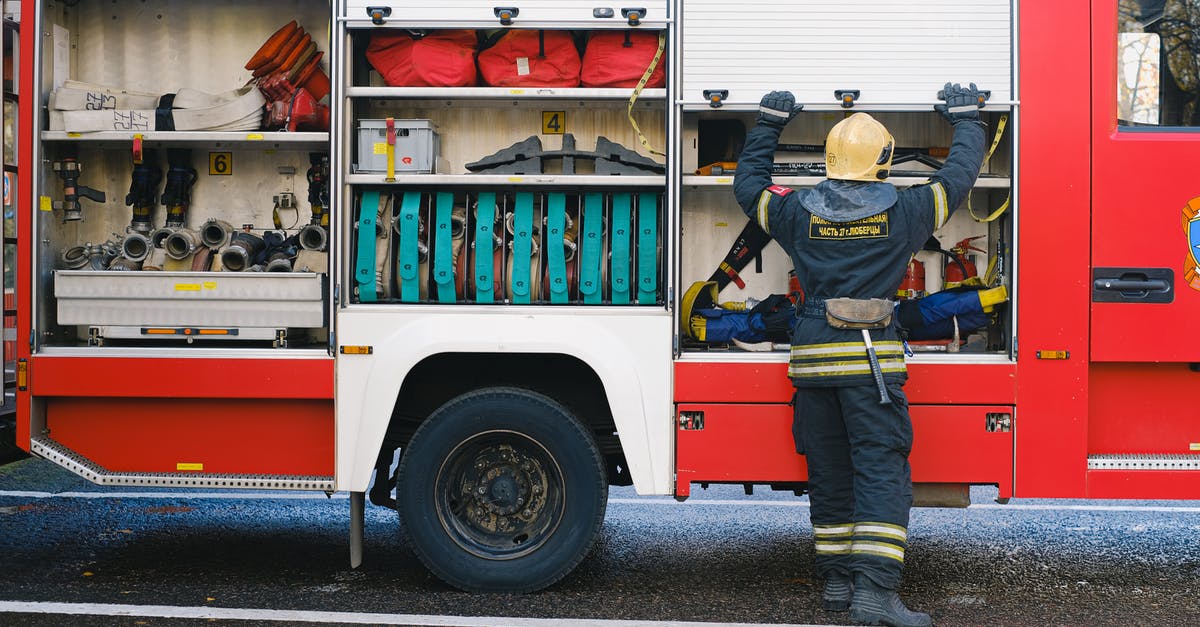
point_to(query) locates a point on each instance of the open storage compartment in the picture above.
(527, 182)
(184, 181)
(719, 94)
(491, 244)
(967, 245)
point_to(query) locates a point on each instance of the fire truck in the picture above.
(275, 244)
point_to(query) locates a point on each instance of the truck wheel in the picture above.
(501, 490)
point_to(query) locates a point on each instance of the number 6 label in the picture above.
(220, 163)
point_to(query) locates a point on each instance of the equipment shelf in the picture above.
(695, 180)
(572, 180)
(502, 93)
(244, 139)
(692, 106)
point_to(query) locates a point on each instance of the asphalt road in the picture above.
(720, 557)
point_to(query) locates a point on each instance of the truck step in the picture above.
(86, 468)
(1144, 462)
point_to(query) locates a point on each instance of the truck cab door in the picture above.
(1146, 195)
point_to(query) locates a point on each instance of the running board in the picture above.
(86, 468)
(1144, 462)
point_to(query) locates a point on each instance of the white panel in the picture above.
(896, 53)
(530, 11)
(630, 353)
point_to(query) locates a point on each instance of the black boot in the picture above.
(836, 597)
(872, 604)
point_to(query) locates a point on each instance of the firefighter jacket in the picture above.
(850, 239)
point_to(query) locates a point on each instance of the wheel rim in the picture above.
(499, 495)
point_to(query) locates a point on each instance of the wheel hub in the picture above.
(501, 506)
(506, 477)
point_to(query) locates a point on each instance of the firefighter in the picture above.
(851, 237)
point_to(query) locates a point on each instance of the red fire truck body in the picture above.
(1087, 393)
(1092, 379)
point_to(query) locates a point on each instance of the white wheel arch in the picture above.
(630, 353)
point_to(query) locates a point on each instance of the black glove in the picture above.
(962, 103)
(777, 109)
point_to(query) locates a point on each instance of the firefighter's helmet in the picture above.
(859, 148)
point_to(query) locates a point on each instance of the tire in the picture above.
(501, 490)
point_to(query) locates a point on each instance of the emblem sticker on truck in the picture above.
(1191, 230)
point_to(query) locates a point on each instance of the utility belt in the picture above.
(860, 314)
(848, 313)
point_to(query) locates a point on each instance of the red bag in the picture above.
(531, 58)
(607, 62)
(440, 59)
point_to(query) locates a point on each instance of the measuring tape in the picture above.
(995, 142)
(662, 45)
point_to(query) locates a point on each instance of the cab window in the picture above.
(1158, 63)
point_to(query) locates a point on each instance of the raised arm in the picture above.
(949, 186)
(961, 109)
(759, 198)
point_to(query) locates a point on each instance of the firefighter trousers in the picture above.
(860, 484)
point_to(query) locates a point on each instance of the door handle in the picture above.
(1133, 285)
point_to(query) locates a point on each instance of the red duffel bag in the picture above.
(609, 62)
(531, 58)
(443, 58)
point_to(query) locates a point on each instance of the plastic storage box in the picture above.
(417, 146)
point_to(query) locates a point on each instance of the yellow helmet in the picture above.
(859, 148)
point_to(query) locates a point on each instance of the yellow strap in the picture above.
(391, 152)
(1003, 207)
(989, 276)
(662, 45)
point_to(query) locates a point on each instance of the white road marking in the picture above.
(304, 616)
(650, 500)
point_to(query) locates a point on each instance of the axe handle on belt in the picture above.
(876, 370)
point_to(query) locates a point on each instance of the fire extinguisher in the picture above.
(913, 285)
(960, 269)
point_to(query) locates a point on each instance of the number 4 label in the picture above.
(554, 122)
(220, 163)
